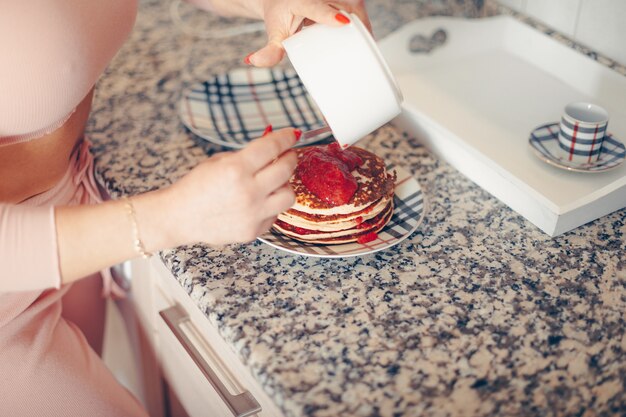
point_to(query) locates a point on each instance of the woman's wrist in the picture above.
(137, 240)
(153, 219)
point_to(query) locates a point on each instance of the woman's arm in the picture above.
(283, 18)
(231, 197)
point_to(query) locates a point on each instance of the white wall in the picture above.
(598, 24)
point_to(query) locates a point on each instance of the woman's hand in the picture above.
(231, 197)
(283, 18)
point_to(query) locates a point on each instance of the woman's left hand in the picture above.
(283, 18)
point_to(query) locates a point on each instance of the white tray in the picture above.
(475, 99)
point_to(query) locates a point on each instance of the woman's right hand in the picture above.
(231, 197)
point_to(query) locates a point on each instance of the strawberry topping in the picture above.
(326, 172)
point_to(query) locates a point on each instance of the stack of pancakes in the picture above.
(313, 219)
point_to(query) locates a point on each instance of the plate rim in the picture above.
(215, 138)
(425, 205)
(553, 162)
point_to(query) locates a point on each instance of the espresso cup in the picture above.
(581, 132)
(347, 77)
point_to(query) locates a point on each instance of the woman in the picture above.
(55, 231)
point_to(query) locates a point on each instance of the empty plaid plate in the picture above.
(544, 141)
(408, 213)
(234, 108)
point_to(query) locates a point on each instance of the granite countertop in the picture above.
(478, 313)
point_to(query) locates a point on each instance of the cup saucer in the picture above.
(544, 141)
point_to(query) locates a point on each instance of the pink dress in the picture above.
(52, 52)
(47, 367)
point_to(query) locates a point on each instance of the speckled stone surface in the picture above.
(478, 313)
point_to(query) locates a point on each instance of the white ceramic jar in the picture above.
(347, 77)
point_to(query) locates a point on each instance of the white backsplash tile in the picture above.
(602, 26)
(597, 24)
(558, 14)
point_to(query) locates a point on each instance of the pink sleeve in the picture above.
(28, 248)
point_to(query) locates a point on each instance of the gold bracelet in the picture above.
(137, 243)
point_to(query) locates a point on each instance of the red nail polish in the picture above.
(246, 60)
(267, 130)
(298, 134)
(342, 18)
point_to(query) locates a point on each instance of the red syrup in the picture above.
(298, 230)
(368, 237)
(326, 172)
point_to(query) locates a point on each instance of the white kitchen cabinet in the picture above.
(195, 361)
(129, 349)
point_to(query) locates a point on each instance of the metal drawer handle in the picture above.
(241, 405)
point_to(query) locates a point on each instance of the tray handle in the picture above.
(424, 44)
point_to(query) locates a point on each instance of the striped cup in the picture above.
(582, 130)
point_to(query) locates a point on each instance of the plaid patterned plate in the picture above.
(407, 215)
(544, 141)
(234, 108)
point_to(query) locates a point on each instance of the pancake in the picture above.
(341, 196)
(351, 234)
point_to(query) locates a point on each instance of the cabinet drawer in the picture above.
(192, 354)
(195, 373)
